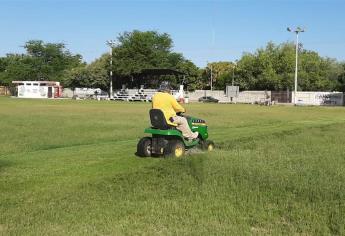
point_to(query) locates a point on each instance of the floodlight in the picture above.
(111, 44)
(296, 31)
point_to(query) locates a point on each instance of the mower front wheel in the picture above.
(175, 148)
(144, 147)
(207, 145)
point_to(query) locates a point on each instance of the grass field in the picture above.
(68, 167)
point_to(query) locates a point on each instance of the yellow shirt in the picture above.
(168, 104)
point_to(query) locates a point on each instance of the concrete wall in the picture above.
(80, 92)
(319, 98)
(303, 98)
(251, 97)
(244, 96)
(195, 95)
(67, 93)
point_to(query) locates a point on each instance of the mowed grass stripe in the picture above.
(78, 146)
(36, 125)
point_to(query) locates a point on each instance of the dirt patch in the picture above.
(3, 229)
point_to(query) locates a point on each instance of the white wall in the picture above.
(243, 97)
(218, 94)
(67, 93)
(252, 96)
(303, 98)
(33, 91)
(319, 98)
(84, 92)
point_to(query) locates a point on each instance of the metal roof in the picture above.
(52, 83)
(160, 72)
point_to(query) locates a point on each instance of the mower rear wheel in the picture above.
(144, 147)
(175, 148)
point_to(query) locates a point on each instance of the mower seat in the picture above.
(158, 120)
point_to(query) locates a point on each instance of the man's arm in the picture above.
(177, 107)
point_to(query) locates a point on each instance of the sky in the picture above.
(202, 30)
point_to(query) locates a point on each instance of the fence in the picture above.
(5, 91)
(281, 96)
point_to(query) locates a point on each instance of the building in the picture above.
(38, 89)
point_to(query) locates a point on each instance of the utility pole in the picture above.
(296, 31)
(211, 77)
(111, 44)
(233, 76)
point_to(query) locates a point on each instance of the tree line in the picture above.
(271, 67)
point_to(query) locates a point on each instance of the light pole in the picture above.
(233, 73)
(296, 31)
(211, 77)
(111, 44)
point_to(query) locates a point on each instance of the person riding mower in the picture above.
(164, 101)
(172, 132)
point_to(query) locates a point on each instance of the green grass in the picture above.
(68, 167)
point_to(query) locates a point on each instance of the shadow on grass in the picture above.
(4, 164)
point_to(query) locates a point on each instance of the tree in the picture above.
(135, 52)
(13, 68)
(94, 75)
(266, 68)
(192, 73)
(341, 79)
(220, 73)
(139, 50)
(42, 61)
(273, 68)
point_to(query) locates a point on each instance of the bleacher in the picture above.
(134, 95)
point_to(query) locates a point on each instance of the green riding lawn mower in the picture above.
(167, 141)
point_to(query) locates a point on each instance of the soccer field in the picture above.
(68, 167)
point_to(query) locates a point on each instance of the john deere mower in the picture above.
(167, 141)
